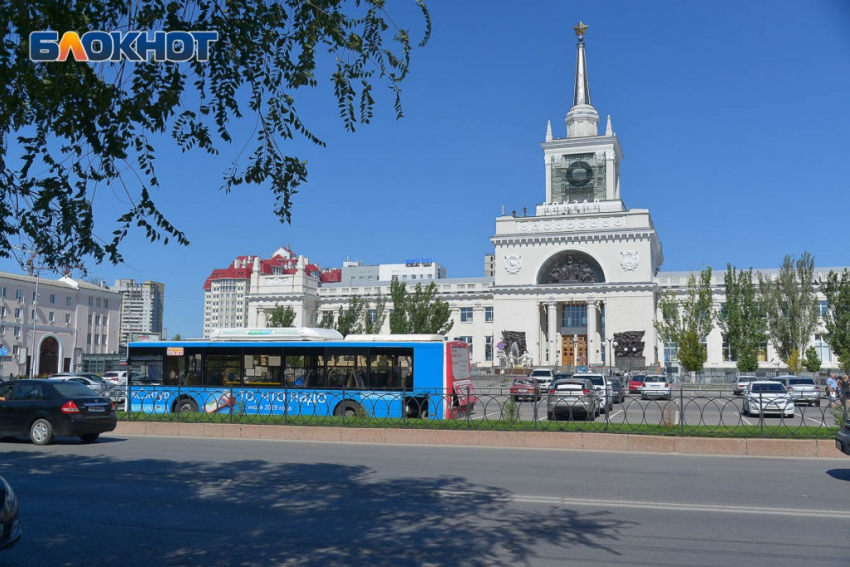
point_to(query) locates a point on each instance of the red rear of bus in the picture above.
(460, 394)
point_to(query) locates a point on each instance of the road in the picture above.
(142, 501)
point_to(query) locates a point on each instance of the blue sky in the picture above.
(733, 118)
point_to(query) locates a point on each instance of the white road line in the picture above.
(675, 506)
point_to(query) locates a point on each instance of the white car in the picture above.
(656, 387)
(768, 396)
(603, 389)
(116, 377)
(544, 377)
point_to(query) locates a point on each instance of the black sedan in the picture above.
(10, 531)
(43, 409)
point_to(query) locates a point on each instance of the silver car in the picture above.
(803, 390)
(96, 384)
(570, 397)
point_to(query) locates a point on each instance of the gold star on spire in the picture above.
(580, 29)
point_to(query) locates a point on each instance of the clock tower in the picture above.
(582, 267)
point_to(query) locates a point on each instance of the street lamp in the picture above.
(612, 344)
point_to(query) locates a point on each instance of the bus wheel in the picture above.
(348, 409)
(185, 405)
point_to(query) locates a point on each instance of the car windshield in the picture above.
(637, 379)
(596, 380)
(745, 379)
(540, 373)
(73, 389)
(801, 381)
(768, 388)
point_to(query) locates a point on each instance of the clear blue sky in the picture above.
(733, 118)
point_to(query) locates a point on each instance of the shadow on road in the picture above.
(252, 513)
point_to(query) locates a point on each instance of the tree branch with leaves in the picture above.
(686, 322)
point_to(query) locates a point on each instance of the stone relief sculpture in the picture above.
(629, 260)
(513, 264)
(515, 353)
(629, 344)
(572, 270)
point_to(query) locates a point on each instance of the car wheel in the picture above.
(348, 409)
(41, 432)
(186, 405)
(89, 437)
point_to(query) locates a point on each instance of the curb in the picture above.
(819, 448)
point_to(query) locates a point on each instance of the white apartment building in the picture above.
(142, 307)
(56, 320)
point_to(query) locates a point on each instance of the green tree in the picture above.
(791, 305)
(794, 362)
(836, 288)
(420, 312)
(742, 318)
(327, 321)
(686, 322)
(349, 320)
(83, 127)
(177, 337)
(373, 326)
(811, 362)
(280, 316)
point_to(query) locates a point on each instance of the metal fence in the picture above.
(689, 410)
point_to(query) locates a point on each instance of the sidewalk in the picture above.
(823, 448)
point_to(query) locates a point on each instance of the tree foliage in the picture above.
(87, 130)
(373, 326)
(280, 316)
(794, 362)
(791, 305)
(349, 320)
(420, 312)
(742, 319)
(686, 322)
(812, 361)
(836, 288)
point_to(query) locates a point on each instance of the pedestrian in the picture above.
(831, 387)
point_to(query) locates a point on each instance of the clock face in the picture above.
(578, 177)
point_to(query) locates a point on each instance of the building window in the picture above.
(466, 314)
(52, 298)
(822, 349)
(91, 318)
(488, 349)
(17, 331)
(51, 317)
(32, 314)
(91, 301)
(671, 352)
(15, 350)
(19, 294)
(488, 314)
(729, 354)
(761, 355)
(106, 304)
(103, 340)
(3, 291)
(3, 311)
(88, 339)
(97, 339)
(18, 313)
(33, 297)
(105, 317)
(98, 302)
(574, 316)
(97, 319)
(68, 301)
(67, 318)
(824, 309)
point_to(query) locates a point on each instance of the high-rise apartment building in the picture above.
(142, 307)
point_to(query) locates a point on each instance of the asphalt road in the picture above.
(143, 501)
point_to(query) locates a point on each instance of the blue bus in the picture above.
(302, 372)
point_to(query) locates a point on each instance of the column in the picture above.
(592, 339)
(552, 313)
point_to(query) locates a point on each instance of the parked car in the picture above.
(803, 390)
(525, 388)
(97, 385)
(10, 530)
(617, 391)
(570, 398)
(116, 377)
(781, 379)
(43, 409)
(635, 383)
(602, 386)
(544, 377)
(741, 384)
(656, 387)
(768, 396)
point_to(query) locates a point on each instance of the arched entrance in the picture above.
(48, 356)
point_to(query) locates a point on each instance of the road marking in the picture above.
(675, 506)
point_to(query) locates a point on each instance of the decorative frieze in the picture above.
(571, 225)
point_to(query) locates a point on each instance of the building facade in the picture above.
(142, 307)
(57, 321)
(567, 279)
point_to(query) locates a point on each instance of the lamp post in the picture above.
(612, 344)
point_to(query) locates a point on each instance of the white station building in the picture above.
(566, 279)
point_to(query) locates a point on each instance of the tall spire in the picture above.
(582, 119)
